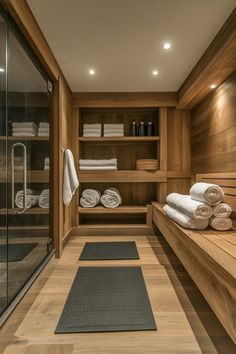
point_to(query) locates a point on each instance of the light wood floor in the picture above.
(184, 320)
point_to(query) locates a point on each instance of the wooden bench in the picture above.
(209, 256)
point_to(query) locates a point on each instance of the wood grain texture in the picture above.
(215, 65)
(124, 99)
(213, 131)
(210, 259)
(35, 333)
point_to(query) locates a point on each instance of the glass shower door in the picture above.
(3, 167)
(28, 147)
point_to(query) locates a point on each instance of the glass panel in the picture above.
(3, 169)
(29, 153)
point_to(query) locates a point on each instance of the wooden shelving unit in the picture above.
(122, 176)
(131, 209)
(22, 138)
(125, 139)
(32, 176)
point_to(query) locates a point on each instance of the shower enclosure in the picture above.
(25, 111)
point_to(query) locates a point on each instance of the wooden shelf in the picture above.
(30, 211)
(125, 139)
(36, 176)
(132, 209)
(116, 226)
(26, 228)
(30, 138)
(122, 176)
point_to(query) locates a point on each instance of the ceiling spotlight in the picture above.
(167, 45)
(2, 70)
(155, 72)
(213, 86)
(91, 72)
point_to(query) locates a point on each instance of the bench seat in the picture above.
(210, 258)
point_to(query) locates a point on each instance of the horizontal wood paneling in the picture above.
(124, 99)
(215, 65)
(213, 131)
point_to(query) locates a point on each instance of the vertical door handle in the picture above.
(22, 210)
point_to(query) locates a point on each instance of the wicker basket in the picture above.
(147, 165)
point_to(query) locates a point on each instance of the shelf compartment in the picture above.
(125, 139)
(132, 209)
(122, 176)
(36, 176)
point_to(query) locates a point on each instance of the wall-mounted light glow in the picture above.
(155, 72)
(213, 86)
(91, 72)
(2, 70)
(166, 45)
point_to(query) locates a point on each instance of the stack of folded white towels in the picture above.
(96, 165)
(24, 129)
(92, 130)
(202, 207)
(44, 129)
(32, 199)
(113, 130)
(111, 198)
(46, 163)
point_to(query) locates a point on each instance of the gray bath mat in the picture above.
(107, 299)
(93, 251)
(16, 252)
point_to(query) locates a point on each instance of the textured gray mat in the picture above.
(109, 250)
(16, 252)
(107, 299)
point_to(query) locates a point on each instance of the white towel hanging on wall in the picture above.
(70, 181)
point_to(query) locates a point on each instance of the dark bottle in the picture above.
(150, 129)
(133, 129)
(141, 131)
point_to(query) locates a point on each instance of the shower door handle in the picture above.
(23, 209)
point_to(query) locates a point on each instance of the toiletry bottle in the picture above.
(141, 131)
(150, 129)
(133, 129)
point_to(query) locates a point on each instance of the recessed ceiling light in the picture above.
(91, 72)
(2, 70)
(166, 45)
(213, 86)
(155, 72)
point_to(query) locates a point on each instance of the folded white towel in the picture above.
(112, 130)
(111, 198)
(92, 135)
(90, 198)
(24, 125)
(42, 130)
(207, 193)
(31, 198)
(221, 224)
(44, 125)
(184, 220)
(102, 162)
(43, 134)
(188, 206)
(92, 131)
(113, 126)
(98, 168)
(22, 134)
(93, 126)
(107, 135)
(22, 130)
(44, 199)
(222, 210)
(70, 182)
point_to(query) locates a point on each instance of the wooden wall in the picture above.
(213, 130)
(62, 105)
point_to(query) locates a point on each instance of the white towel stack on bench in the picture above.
(98, 165)
(44, 129)
(92, 130)
(195, 211)
(25, 129)
(113, 130)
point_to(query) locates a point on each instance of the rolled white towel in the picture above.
(111, 198)
(184, 220)
(44, 199)
(222, 210)
(188, 206)
(221, 224)
(31, 199)
(207, 193)
(90, 198)
(104, 162)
